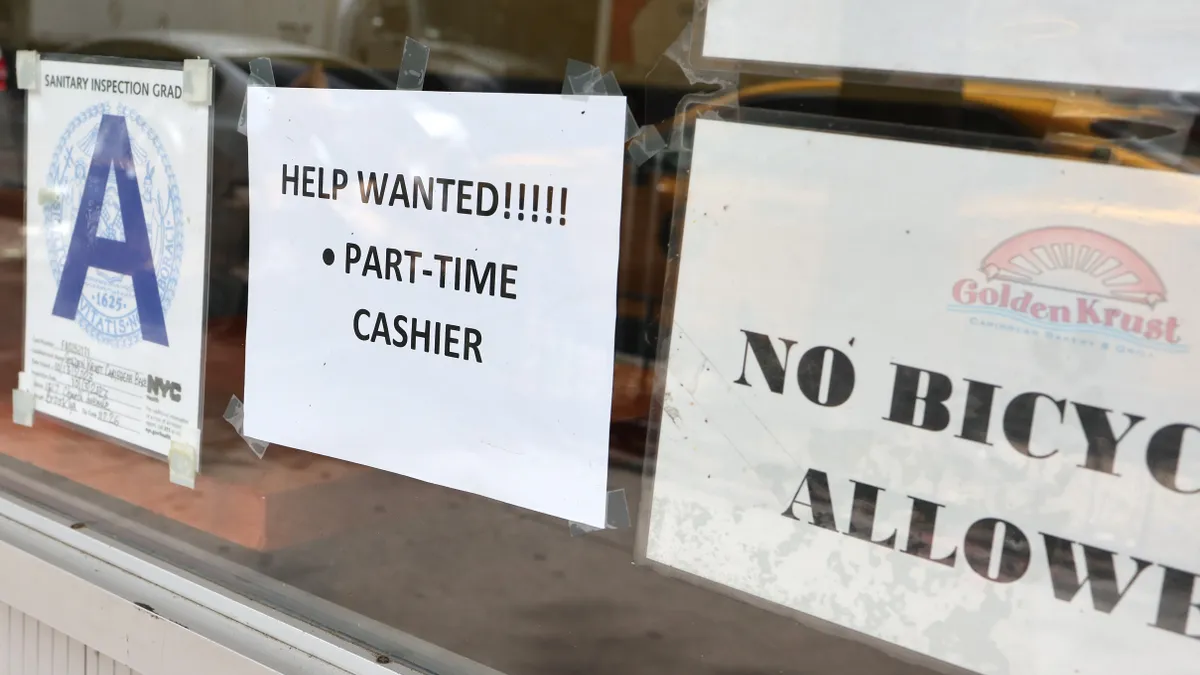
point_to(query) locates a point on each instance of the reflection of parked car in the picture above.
(230, 56)
(374, 32)
(293, 65)
(979, 114)
(1001, 117)
(12, 125)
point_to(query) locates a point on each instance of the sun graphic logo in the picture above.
(1073, 280)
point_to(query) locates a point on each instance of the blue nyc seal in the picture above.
(115, 234)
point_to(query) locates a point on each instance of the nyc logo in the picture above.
(115, 233)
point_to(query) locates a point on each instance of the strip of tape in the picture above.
(726, 82)
(183, 459)
(24, 400)
(197, 81)
(47, 196)
(680, 52)
(261, 75)
(584, 79)
(581, 78)
(24, 403)
(413, 65)
(616, 515)
(234, 414)
(647, 143)
(29, 70)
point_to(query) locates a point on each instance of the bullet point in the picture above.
(327, 256)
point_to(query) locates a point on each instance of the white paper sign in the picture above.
(433, 286)
(1150, 44)
(117, 216)
(940, 396)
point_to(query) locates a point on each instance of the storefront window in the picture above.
(812, 339)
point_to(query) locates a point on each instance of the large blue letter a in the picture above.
(131, 257)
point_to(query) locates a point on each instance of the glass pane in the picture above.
(858, 200)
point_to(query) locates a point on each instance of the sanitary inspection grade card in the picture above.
(116, 240)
